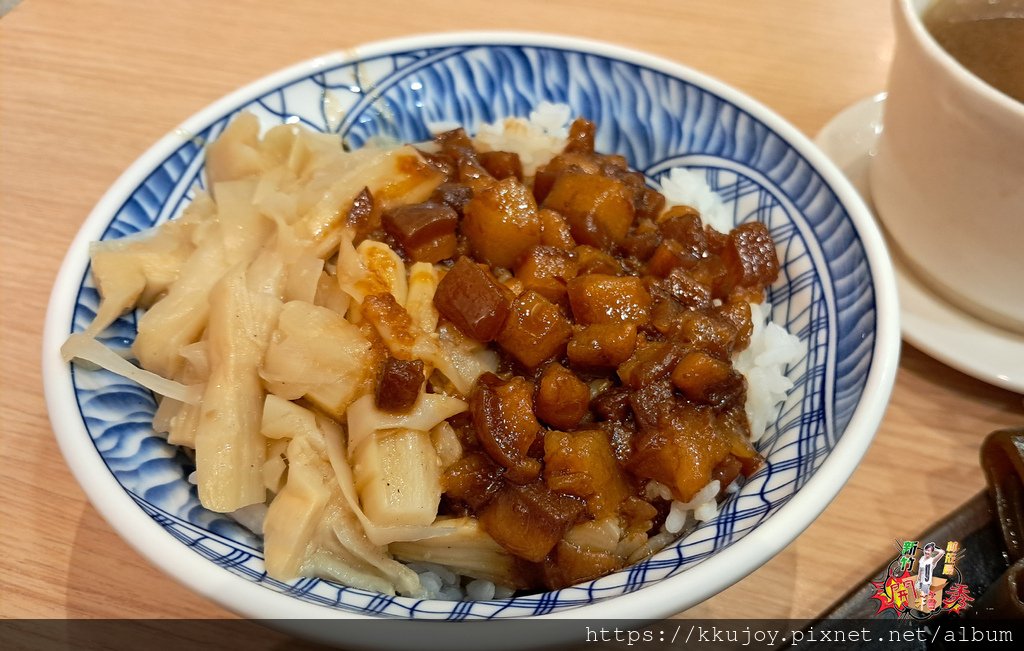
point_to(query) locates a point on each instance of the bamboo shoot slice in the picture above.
(229, 447)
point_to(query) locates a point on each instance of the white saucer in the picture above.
(928, 322)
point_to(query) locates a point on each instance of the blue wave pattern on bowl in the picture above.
(658, 121)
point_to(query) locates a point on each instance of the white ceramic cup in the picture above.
(948, 177)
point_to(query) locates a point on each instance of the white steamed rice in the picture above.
(683, 187)
(537, 139)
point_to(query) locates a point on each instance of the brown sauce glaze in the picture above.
(616, 321)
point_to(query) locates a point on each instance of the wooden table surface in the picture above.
(87, 86)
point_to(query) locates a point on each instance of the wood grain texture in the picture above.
(86, 87)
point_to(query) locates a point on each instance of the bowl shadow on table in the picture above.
(137, 622)
(955, 438)
(104, 629)
(110, 627)
(750, 590)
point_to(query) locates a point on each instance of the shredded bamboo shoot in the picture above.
(229, 448)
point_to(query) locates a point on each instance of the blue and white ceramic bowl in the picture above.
(836, 293)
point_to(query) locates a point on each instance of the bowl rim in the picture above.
(662, 599)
